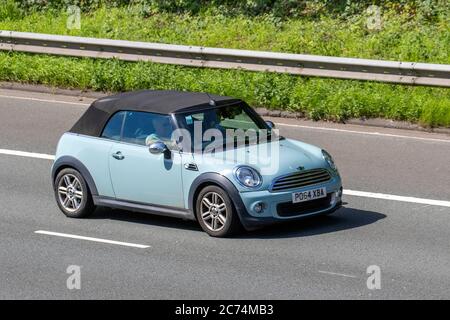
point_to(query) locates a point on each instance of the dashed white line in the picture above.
(337, 274)
(27, 154)
(364, 132)
(73, 236)
(383, 196)
(348, 192)
(45, 100)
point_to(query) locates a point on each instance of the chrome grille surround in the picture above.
(300, 179)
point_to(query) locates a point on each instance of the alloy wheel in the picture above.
(213, 211)
(70, 192)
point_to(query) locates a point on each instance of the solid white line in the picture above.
(27, 154)
(379, 134)
(383, 196)
(348, 192)
(337, 274)
(45, 100)
(278, 123)
(65, 235)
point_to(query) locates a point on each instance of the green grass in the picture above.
(402, 37)
(317, 98)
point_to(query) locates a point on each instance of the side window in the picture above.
(145, 128)
(114, 126)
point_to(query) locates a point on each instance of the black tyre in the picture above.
(72, 194)
(215, 212)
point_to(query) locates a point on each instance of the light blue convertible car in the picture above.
(196, 156)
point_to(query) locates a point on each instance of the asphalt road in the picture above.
(320, 258)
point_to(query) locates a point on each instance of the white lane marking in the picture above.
(45, 100)
(278, 123)
(383, 196)
(27, 154)
(337, 274)
(348, 192)
(379, 134)
(65, 235)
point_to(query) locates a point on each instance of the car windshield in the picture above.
(228, 126)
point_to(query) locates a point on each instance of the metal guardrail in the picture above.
(410, 73)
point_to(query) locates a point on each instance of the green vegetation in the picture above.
(400, 37)
(410, 30)
(317, 98)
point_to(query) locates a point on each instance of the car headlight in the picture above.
(329, 159)
(248, 177)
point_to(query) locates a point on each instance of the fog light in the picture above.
(333, 198)
(336, 197)
(259, 207)
(339, 194)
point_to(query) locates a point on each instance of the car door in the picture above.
(140, 176)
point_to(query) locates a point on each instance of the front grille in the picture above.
(289, 209)
(301, 179)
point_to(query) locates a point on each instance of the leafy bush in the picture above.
(400, 37)
(428, 9)
(9, 10)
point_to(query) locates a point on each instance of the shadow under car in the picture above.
(343, 219)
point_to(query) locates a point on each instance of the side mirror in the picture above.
(270, 124)
(158, 147)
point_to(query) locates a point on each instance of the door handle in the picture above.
(118, 155)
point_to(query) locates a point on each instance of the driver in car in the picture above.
(163, 132)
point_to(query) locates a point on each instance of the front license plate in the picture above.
(309, 195)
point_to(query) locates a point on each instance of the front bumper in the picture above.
(252, 219)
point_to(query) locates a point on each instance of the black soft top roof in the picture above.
(94, 119)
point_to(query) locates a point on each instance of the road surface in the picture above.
(390, 220)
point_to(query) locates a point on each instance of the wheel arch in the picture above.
(216, 179)
(71, 162)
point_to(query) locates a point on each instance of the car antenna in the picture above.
(211, 100)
